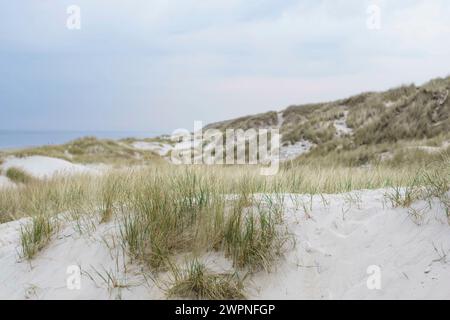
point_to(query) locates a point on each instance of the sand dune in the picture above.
(336, 242)
(45, 167)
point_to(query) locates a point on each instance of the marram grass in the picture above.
(167, 211)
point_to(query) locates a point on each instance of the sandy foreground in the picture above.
(336, 244)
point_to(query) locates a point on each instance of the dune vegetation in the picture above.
(17, 175)
(168, 211)
(168, 217)
(91, 150)
(397, 126)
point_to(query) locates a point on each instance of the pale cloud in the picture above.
(161, 64)
(425, 26)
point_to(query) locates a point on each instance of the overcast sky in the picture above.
(159, 65)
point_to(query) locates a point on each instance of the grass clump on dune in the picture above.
(195, 281)
(189, 211)
(431, 184)
(170, 213)
(404, 196)
(437, 183)
(252, 240)
(36, 235)
(111, 195)
(18, 175)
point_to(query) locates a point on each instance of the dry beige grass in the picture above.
(93, 150)
(166, 211)
(195, 281)
(19, 176)
(381, 122)
(63, 193)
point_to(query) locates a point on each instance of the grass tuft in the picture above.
(252, 238)
(437, 182)
(36, 235)
(18, 175)
(403, 197)
(196, 282)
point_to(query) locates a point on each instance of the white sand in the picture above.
(341, 126)
(340, 241)
(335, 244)
(280, 119)
(430, 149)
(288, 152)
(46, 276)
(160, 148)
(292, 151)
(45, 167)
(5, 182)
(389, 104)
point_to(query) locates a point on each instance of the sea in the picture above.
(22, 139)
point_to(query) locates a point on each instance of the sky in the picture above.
(159, 65)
